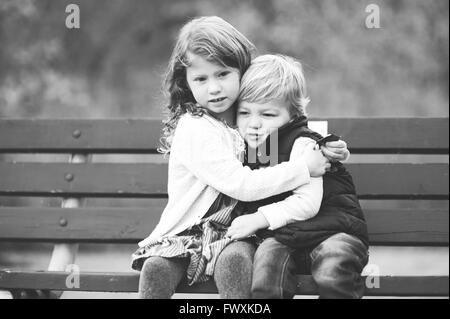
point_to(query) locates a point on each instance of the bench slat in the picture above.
(78, 136)
(405, 135)
(147, 179)
(417, 226)
(410, 135)
(128, 282)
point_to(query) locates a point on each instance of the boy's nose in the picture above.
(255, 122)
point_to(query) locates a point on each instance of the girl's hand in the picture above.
(336, 151)
(316, 162)
(246, 225)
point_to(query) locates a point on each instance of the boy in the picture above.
(294, 234)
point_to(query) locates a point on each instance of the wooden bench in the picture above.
(405, 203)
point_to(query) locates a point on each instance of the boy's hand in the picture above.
(336, 151)
(246, 225)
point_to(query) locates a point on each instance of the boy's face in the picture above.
(256, 121)
(214, 87)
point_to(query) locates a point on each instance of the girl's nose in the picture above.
(214, 87)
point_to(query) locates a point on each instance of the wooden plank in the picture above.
(405, 135)
(79, 136)
(61, 179)
(150, 179)
(395, 226)
(128, 282)
(390, 180)
(412, 227)
(80, 224)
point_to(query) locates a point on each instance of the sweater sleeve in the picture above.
(303, 204)
(203, 152)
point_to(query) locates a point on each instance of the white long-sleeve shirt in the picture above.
(305, 201)
(205, 160)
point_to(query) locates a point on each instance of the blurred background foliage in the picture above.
(113, 65)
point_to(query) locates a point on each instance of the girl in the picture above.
(206, 176)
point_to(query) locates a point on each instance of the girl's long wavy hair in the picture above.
(217, 41)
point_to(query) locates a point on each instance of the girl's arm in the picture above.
(202, 151)
(336, 151)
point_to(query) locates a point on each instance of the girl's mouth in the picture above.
(219, 99)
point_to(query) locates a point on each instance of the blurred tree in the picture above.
(113, 65)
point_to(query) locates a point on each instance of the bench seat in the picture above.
(405, 201)
(128, 282)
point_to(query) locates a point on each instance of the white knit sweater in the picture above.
(205, 160)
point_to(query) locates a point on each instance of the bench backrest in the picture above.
(405, 203)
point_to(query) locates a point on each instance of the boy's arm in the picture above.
(303, 204)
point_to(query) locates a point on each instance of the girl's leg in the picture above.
(160, 277)
(233, 270)
(273, 271)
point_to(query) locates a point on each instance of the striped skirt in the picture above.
(201, 243)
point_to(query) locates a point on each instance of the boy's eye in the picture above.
(200, 79)
(242, 112)
(224, 73)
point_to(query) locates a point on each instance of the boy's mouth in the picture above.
(254, 136)
(219, 99)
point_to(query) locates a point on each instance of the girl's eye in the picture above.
(242, 112)
(224, 73)
(200, 79)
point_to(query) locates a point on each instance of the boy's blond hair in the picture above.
(271, 77)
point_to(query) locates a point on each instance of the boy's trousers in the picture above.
(335, 264)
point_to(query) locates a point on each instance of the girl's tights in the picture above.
(233, 273)
(160, 277)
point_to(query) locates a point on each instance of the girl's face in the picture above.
(214, 86)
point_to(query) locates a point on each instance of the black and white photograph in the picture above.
(224, 154)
